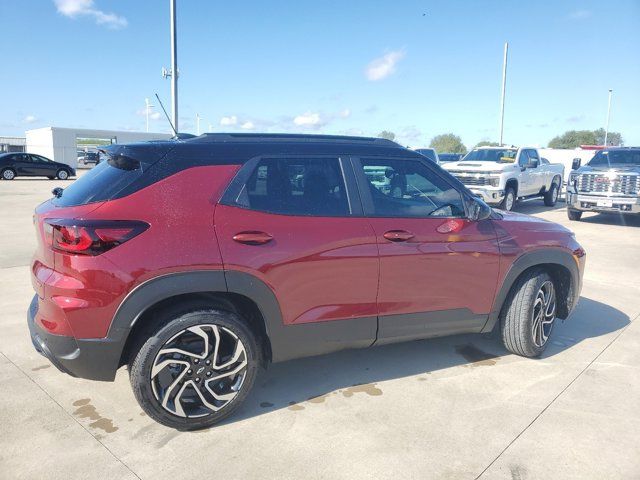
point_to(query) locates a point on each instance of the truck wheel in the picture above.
(551, 197)
(509, 200)
(196, 369)
(574, 215)
(529, 313)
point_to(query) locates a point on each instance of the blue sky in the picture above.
(417, 68)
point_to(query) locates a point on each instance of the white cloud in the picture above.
(86, 8)
(30, 119)
(383, 66)
(247, 125)
(580, 14)
(152, 115)
(346, 113)
(228, 121)
(308, 119)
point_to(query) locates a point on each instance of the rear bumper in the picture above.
(94, 359)
(602, 203)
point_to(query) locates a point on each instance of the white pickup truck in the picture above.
(503, 175)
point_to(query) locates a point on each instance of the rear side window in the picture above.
(102, 182)
(296, 186)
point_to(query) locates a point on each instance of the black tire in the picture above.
(175, 323)
(62, 174)
(517, 319)
(8, 174)
(551, 197)
(574, 215)
(509, 200)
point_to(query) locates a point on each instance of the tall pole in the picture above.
(504, 89)
(198, 123)
(147, 105)
(174, 66)
(606, 131)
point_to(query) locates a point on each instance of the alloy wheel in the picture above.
(63, 175)
(544, 313)
(199, 371)
(8, 175)
(508, 203)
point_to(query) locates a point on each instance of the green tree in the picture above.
(487, 143)
(448, 143)
(613, 138)
(575, 138)
(387, 134)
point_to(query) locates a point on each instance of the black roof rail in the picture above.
(288, 137)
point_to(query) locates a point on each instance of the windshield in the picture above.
(501, 155)
(608, 158)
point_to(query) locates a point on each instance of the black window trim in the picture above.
(365, 195)
(234, 188)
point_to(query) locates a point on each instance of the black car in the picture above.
(14, 165)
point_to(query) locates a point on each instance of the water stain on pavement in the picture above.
(368, 388)
(295, 407)
(475, 356)
(86, 410)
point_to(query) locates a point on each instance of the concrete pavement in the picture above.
(456, 407)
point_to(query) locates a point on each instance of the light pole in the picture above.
(504, 89)
(198, 117)
(148, 107)
(173, 71)
(606, 131)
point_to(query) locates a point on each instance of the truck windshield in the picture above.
(501, 155)
(617, 158)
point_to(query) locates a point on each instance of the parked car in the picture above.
(14, 165)
(193, 262)
(610, 182)
(430, 153)
(89, 157)
(449, 157)
(503, 175)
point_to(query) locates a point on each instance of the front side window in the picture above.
(296, 186)
(407, 188)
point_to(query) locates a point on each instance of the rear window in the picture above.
(102, 182)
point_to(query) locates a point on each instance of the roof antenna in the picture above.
(165, 114)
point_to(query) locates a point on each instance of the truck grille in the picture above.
(471, 178)
(600, 183)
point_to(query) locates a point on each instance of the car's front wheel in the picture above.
(62, 174)
(195, 370)
(8, 174)
(509, 200)
(528, 316)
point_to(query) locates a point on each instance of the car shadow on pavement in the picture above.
(615, 219)
(302, 383)
(532, 207)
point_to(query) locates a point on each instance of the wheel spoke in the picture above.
(544, 310)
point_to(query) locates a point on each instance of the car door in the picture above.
(24, 164)
(526, 185)
(295, 223)
(536, 173)
(42, 166)
(438, 270)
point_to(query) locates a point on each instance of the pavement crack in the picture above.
(71, 416)
(556, 398)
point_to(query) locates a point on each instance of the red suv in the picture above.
(195, 261)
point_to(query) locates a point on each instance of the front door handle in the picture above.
(398, 235)
(252, 238)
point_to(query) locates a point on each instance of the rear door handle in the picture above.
(252, 238)
(398, 235)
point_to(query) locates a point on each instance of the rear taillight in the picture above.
(90, 237)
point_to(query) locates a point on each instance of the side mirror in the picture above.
(532, 163)
(575, 165)
(478, 210)
(57, 192)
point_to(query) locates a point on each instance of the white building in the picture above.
(65, 144)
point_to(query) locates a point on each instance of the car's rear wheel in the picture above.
(551, 197)
(195, 370)
(8, 174)
(509, 200)
(574, 215)
(529, 314)
(62, 174)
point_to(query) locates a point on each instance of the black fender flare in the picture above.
(546, 256)
(286, 341)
